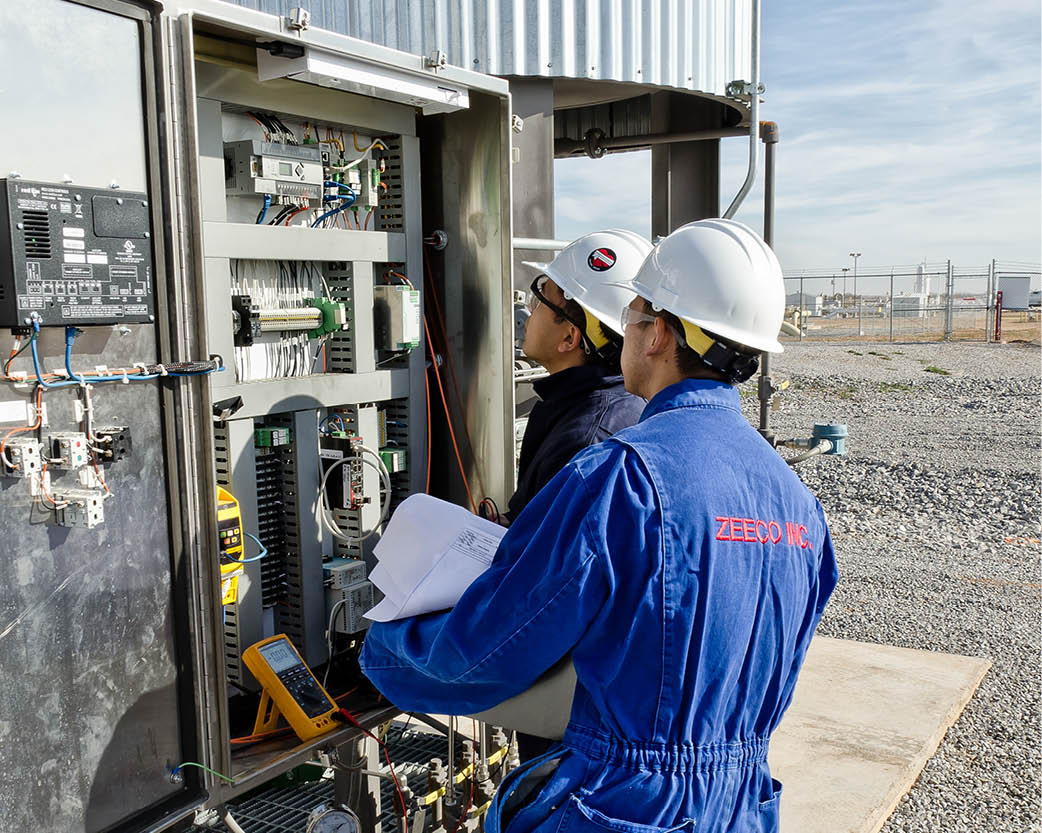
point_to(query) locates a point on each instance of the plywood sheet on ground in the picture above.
(863, 722)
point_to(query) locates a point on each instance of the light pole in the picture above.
(856, 255)
(845, 269)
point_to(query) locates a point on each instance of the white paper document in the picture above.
(429, 554)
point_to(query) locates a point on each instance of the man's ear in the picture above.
(571, 341)
(661, 341)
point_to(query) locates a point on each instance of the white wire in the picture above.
(325, 514)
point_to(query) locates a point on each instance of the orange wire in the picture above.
(451, 362)
(448, 416)
(427, 386)
(368, 217)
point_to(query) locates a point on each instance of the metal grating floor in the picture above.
(286, 809)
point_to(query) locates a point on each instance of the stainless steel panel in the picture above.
(243, 240)
(89, 709)
(688, 44)
(279, 396)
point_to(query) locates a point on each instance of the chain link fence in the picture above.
(925, 302)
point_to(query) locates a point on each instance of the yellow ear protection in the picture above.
(734, 364)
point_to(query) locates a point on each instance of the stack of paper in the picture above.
(429, 554)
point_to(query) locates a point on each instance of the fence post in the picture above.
(891, 305)
(803, 323)
(987, 302)
(998, 317)
(950, 291)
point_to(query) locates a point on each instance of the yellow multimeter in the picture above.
(230, 544)
(290, 689)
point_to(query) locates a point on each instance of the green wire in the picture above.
(179, 767)
(22, 349)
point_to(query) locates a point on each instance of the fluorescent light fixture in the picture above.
(328, 69)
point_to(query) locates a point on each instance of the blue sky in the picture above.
(909, 131)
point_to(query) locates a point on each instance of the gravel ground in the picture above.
(935, 517)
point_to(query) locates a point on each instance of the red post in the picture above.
(998, 316)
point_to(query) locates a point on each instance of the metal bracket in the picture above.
(517, 124)
(593, 143)
(436, 61)
(298, 20)
(744, 89)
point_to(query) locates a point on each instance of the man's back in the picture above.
(685, 567)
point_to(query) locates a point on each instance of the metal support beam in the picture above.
(685, 176)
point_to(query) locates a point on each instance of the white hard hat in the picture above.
(596, 271)
(721, 276)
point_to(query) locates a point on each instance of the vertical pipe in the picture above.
(754, 116)
(769, 134)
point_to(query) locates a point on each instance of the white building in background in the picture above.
(911, 306)
(810, 304)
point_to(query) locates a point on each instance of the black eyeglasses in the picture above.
(536, 297)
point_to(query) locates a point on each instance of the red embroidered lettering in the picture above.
(804, 541)
(790, 533)
(762, 539)
(748, 530)
(774, 531)
(736, 529)
(721, 534)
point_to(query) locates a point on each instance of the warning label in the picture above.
(93, 311)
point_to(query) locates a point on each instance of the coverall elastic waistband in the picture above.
(665, 757)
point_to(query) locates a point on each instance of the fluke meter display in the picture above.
(290, 689)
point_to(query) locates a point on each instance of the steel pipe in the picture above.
(569, 147)
(754, 116)
(540, 243)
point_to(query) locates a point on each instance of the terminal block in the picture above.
(393, 459)
(25, 455)
(269, 437)
(112, 443)
(84, 508)
(68, 450)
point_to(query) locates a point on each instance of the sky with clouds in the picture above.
(909, 132)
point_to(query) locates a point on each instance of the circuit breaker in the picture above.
(73, 255)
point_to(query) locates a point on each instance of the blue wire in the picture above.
(70, 337)
(264, 211)
(36, 364)
(263, 552)
(93, 380)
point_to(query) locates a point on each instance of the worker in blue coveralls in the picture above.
(573, 331)
(681, 564)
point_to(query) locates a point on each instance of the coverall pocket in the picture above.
(769, 807)
(580, 818)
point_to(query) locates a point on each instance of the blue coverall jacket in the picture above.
(578, 406)
(684, 567)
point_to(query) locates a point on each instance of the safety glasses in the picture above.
(536, 297)
(635, 316)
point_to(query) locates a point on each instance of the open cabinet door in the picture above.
(95, 708)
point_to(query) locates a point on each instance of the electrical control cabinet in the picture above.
(277, 222)
(73, 255)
